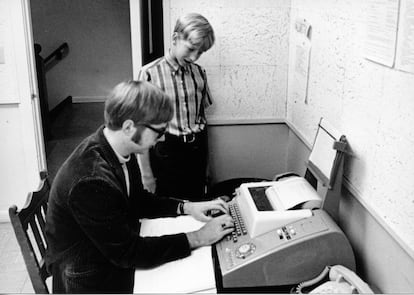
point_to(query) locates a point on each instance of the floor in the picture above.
(13, 274)
(73, 123)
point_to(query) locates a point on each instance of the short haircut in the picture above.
(139, 101)
(195, 28)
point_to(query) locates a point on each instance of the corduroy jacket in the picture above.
(92, 225)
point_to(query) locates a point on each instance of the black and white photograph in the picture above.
(207, 146)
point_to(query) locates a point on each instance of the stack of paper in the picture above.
(189, 275)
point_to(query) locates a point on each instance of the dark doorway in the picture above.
(152, 36)
(96, 37)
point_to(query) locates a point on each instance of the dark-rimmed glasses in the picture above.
(160, 131)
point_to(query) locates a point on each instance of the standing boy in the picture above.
(97, 199)
(178, 164)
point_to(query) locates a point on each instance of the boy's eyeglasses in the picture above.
(159, 131)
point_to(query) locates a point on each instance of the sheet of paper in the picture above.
(404, 59)
(381, 31)
(302, 59)
(323, 153)
(287, 194)
(189, 275)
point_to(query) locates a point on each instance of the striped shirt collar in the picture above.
(189, 92)
(175, 67)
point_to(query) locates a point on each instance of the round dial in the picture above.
(245, 250)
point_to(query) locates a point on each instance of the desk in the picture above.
(193, 274)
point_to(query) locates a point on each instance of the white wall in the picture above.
(98, 34)
(370, 103)
(247, 66)
(381, 260)
(19, 159)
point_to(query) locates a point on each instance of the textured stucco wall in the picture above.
(247, 66)
(370, 103)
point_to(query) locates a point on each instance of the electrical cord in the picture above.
(313, 281)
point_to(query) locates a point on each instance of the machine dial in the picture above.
(245, 250)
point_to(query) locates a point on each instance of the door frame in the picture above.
(136, 44)
(33, 84)
(24, 154)
(135, 23)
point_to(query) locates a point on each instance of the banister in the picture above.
(42, 66)
(57, 55)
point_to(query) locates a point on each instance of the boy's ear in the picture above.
(174, 37)
(128, 126)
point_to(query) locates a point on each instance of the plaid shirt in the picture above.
(186, 86)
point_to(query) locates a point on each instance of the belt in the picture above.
(188, 138)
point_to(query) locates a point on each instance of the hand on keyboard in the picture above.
(211, 232)
(225, 198)
(215, 213)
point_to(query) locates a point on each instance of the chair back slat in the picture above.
(41, 220)
(29, 228)
(38, 238)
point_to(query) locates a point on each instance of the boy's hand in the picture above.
(201, 210)
(149, 183)
(147, 177)
(211, 232)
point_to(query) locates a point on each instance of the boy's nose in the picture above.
(194, 56)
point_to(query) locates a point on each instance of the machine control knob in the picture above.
(245, 250)
(279, 233)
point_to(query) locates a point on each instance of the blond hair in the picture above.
(195, 28)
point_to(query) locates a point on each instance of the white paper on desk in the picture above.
(188, 275)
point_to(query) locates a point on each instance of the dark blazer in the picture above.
(92, 225)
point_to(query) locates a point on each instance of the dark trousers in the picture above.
(70, 278)
(179, 166)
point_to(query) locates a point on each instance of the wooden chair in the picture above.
(29, 227)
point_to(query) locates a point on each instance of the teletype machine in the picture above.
(285, 230)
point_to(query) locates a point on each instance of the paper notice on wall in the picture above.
(301, 59)
(8, 76)
(404, 59)
(381, 31)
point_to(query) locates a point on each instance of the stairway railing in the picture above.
(58, 54)
(42, 66)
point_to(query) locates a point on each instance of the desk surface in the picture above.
(189, 275)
